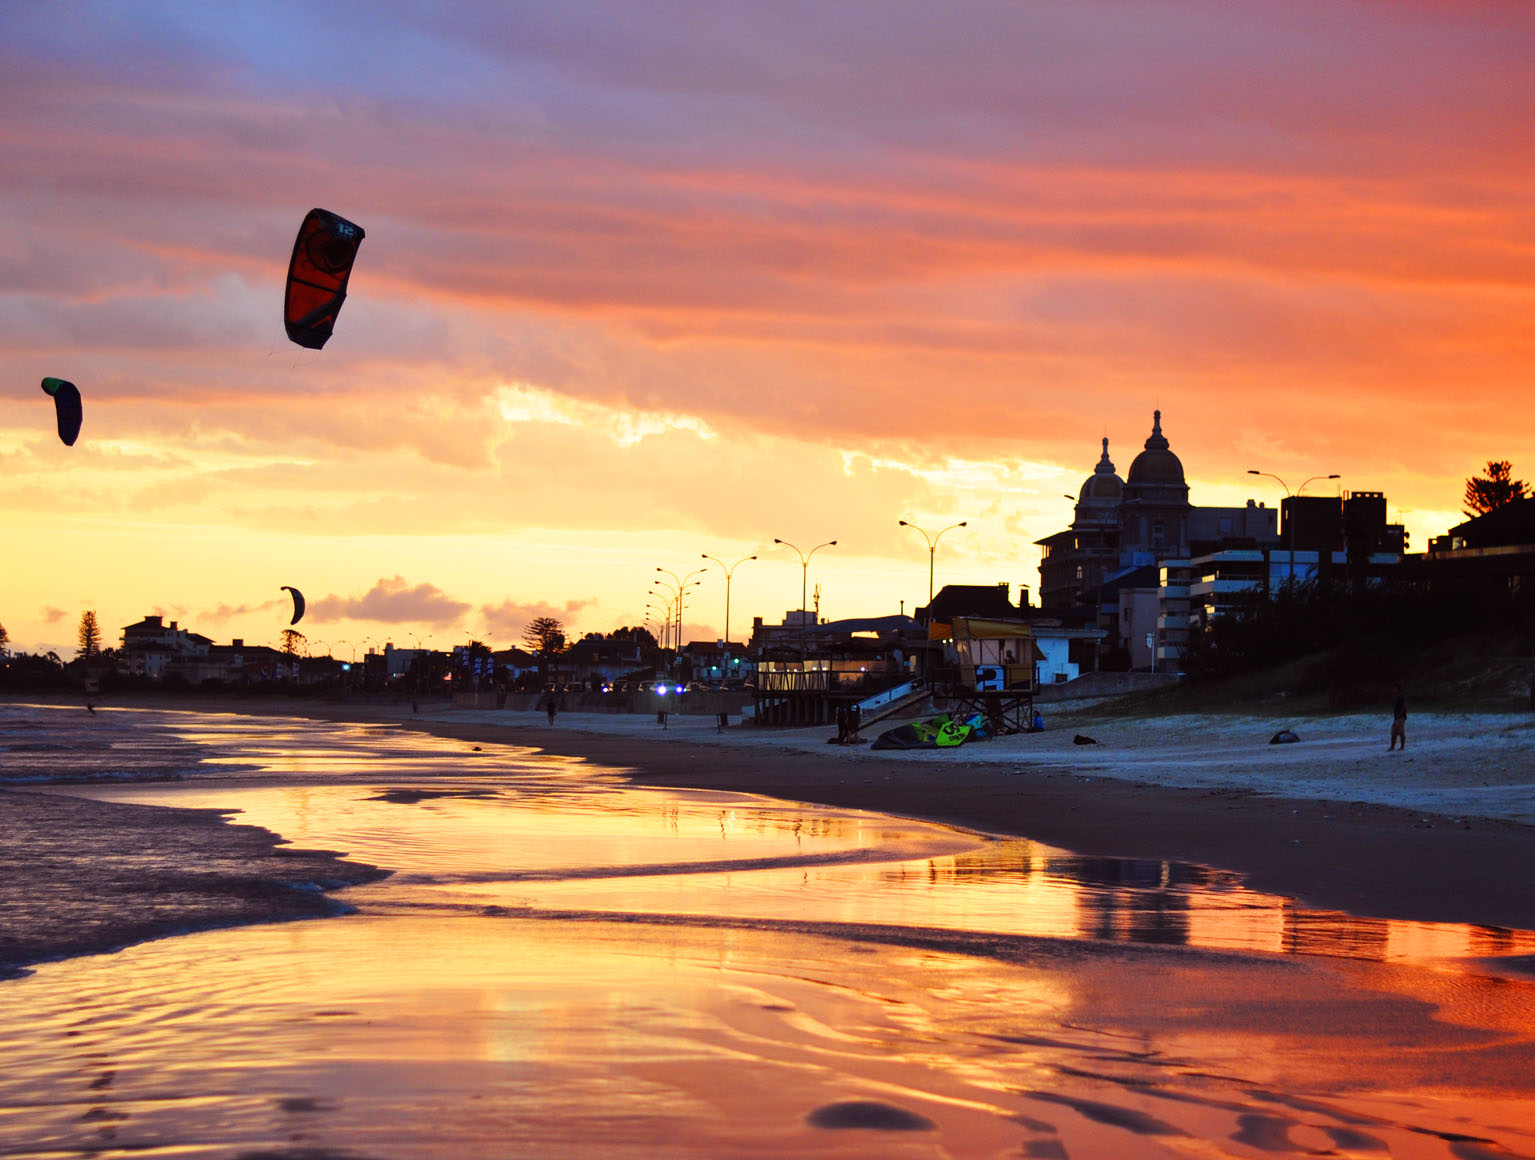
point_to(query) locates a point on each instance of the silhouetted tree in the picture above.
(291, 639)
(1495, 489)
(5, 637)
(545, 638)
(89, 635)
(638, 635)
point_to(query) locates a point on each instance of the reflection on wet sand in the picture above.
(562, 965)
(470, 1035)
(621, 851)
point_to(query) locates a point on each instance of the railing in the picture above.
(888, 696)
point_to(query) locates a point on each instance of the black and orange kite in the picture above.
(317, 276)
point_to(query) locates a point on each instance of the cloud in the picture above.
(392, 601)
(51, 615)
(508, 618)
(227, 612)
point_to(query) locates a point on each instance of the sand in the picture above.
(1442, 832)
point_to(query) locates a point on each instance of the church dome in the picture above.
(1102, 485)
(1156, 464)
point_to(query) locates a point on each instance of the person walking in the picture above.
(1399, 720)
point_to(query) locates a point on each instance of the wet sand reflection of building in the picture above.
(1153, 901)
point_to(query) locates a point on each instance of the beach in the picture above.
(1442, 832)
(534, 938)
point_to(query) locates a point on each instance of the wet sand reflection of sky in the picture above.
(610, 849)
(563, 965)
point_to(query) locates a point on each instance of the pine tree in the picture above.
(89, 636)
(544, 636)
(1497, 488)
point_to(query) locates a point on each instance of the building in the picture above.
(151, 647)
(1151, 567)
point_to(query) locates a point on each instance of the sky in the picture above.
(650, 280)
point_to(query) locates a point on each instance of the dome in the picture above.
(1102, 485)
(1156, 464)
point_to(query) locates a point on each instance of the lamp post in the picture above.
(804, 563)
(1290, 529)
(728, 573)
(682, 586)
(663, 615)
(932, 551)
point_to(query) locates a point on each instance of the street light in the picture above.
(663, 614)
(1290, 523)
(682, 586)
(728, 572)
(932, 551)
(804, 563)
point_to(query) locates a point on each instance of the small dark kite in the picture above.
(298, 604)
(66, 406)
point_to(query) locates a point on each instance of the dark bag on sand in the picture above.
(1283, 737)
(1083, 739)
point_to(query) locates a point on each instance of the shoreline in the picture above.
(1437, 835)
(1380, 860)
(82, 877)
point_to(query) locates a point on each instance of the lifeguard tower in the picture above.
(994, 675)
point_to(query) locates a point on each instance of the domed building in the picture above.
(1154, 509)
(1109, 564)
(1073, 563)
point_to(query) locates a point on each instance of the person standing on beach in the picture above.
(1399, 720)
(551, 706)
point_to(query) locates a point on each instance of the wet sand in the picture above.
(1390, 861)
(1334, 822)
(82, 877)
(475, 1002)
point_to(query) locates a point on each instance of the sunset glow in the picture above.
(648, 281)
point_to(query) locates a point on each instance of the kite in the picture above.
(940, 732)
(66, 403)
(317, 276)
(298, 604)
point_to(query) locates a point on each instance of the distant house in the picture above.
(159, 651)
(597, 659)
(1499, 545)
(1510, 526)
(151, 647)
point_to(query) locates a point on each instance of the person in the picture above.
(854, 724)
(551, 706)
(1038, 724)
(1398, 720)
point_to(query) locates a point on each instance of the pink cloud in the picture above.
(392, 601)
(508, 618)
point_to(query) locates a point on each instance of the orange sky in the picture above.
(647, 281)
